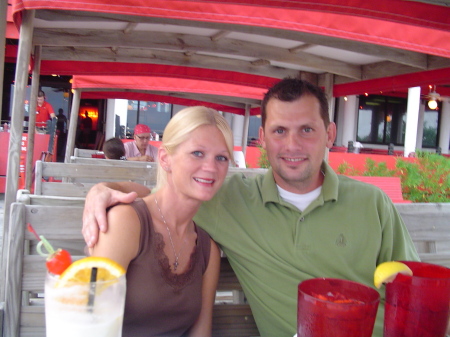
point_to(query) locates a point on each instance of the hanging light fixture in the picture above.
(433, 97)
(432, 104)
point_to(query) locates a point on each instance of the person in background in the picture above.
(298, 221)
(140, 149)
(44, 112)
(86, 130)
(113, 148)
(61, 126)
(172, 265)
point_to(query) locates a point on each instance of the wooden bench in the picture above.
(75, 179)
(112, 162)
(27, 198)
(429, 227)
(392, 186)
(24, 309)
(69, 179)
(87, 153)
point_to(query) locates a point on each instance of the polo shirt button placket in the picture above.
(302, 219)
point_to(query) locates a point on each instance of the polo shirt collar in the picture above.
(330, 184)
(329, 188)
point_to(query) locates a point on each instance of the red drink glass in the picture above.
(336, 308)
(418, 306)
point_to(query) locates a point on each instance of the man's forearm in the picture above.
(127, 187)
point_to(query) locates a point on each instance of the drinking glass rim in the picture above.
(372, 293)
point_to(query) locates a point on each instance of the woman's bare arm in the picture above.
(203, 326)
(99, 198)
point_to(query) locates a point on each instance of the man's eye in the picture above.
(222, 158)
(308, 130)
(279, 131)
(197, 153)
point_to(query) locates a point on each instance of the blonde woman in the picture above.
(172, 265)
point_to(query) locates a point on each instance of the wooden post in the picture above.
(328, 84)
(3, 11)
(32, 118)
(245, 130)
(72, 125)
(12, 172)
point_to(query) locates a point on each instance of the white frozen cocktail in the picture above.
(77, 307)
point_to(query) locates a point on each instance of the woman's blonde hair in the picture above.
(183, 124)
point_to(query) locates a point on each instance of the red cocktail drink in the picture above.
(336, 308)
(418, 306)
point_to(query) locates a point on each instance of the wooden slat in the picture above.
(66, 189)
(228, 279)
(14, 270)
(233, 321)
(2, 309)
(85, 153)
(105, 172)
(112, 162)
(25, 197)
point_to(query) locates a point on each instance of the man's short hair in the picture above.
(291, 89)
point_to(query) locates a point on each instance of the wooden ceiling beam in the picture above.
(162, 57)
(195, 44)
(413, 59)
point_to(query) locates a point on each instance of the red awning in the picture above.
(159, 70)
(138, 96)
(167, 84)
(397, 84)
(121, 85)
(11, 30)
(408, 25)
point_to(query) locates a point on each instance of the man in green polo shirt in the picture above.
(298, 221)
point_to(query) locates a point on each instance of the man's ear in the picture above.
(331, 135)
(262, 137)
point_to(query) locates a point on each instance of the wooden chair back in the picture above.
(61, 225)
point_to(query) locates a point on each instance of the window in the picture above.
(381, 120)
(154, 114)
(430, 127)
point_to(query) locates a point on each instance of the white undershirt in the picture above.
(301, 201)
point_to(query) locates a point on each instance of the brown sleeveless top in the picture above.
(159, 302)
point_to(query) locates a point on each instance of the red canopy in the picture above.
(394, 23)
(147, 88)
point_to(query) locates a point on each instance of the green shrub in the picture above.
(427, 179)
(263, 162)
(374, 169)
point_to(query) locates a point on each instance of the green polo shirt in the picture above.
(272, 246)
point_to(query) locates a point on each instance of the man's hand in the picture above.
(99, 198)
(141, 158)
(146, 158)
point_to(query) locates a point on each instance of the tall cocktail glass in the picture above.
(84, 309)
(418, 306)
(336, 308)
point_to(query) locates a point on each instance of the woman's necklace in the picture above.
(177, 256)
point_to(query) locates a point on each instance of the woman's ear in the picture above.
(164, 159)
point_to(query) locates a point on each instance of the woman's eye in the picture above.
(222, 158)
(197, 153)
